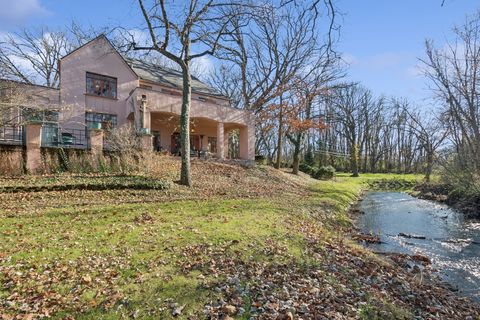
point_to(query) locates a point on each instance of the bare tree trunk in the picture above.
(296, 153)
(280, 136)
(354, 160)
(185, 176)
(428, 169)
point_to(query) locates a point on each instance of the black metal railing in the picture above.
(14, 135)
(53, 136)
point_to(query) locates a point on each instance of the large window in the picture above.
(102, 86)
(100, 120)
(39, 115)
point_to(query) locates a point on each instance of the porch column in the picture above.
(33, 136)
(247, 142)
(147, 119)
(144, 115)
(220, 141)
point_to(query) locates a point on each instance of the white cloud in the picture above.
(350, 59)
(141, 37)
(376, 61)
(202, 67)
(415, 71)
(17, 11)
(384, 60)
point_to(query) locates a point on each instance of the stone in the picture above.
(304, 308)
(177, 310)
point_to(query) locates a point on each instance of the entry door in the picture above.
(195, 142)
(157, 144)
(175, 144)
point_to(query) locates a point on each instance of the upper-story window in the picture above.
(102, 86)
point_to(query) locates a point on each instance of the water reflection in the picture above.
(452, 243)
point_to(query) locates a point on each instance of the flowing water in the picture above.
(451, 242)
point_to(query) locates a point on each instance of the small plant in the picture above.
(367, 312)
(260, 159)
(378, 310)
(324, 173)
(306, 168)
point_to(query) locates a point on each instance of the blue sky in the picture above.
(381, 39)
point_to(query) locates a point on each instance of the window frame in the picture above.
(110, 118)
(97, 76)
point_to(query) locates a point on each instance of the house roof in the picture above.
(167, 76)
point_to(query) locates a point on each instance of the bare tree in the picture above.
(312, 88)
(431, 133)
(454, 71)
(270, 46)
(353, 106)
(32, 56)
(173, 29)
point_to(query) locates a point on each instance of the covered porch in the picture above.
(216, 129)
(208, 137)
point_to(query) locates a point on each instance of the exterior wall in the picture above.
(96, 57)
(167, 91)
(43, 97)
(221, 112)
(30, 96)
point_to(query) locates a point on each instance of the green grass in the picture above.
(80, 182)
(144, 246)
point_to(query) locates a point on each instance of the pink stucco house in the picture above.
(103, 89)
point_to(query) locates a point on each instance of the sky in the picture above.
(382, 40)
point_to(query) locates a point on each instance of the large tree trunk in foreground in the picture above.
(185, 176)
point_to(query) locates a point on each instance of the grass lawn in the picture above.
(121, 260)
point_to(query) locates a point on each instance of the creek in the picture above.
(409, 225)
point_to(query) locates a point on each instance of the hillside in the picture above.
(242, 243)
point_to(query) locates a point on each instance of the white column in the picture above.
(247, 142)
(220, 141)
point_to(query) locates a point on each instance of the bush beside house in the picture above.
(322, 173)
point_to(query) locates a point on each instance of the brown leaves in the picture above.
(44, 290)
(143, 218)
(211, 179)
(340, 281)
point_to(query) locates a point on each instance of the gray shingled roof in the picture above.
(169, 77)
